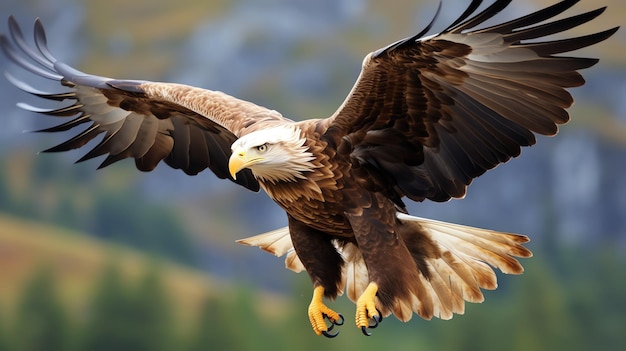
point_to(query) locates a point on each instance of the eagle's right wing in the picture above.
(429, 114)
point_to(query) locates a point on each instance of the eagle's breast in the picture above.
(317, 199)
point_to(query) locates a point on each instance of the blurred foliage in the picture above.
(129, 318)
(540, 310)
(113, 212)
(41, 322)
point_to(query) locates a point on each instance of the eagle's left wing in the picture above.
(429, 114)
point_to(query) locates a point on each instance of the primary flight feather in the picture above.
(426, 116)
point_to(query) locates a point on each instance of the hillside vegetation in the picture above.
(65, 291)
(77, 261)
(62, 290)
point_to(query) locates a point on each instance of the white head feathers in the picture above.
(279, 153)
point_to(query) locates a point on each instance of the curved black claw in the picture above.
(339, 322)
(377, 319)
(329, 335)
(332, 326)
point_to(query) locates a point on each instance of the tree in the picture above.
(231, 321)
(123, 318)
(4, 342)
(214, 329)
(151, 312)
(41, 321)
(107, 327)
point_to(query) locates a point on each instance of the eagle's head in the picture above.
(273, 155)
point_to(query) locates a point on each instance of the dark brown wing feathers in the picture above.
(425, 117)
(429, 115)
(131, 122)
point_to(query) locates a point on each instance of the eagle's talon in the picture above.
(328, 335)
(332, 326)
(366, 309)
(338, 322)
(377, 320)
(320, 313)
(333, 323)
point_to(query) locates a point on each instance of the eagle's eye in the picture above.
(262, 148)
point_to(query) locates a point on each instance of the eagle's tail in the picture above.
(461, 265)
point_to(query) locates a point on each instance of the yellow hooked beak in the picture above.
(240, 160)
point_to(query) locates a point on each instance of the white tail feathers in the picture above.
(457, 274)
(463, 266)
(277, 242)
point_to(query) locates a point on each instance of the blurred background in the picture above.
(121, 260)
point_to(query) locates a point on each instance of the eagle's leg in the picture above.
(323, 263)
(366, 309)
(318, 312)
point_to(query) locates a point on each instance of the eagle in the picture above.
(427, 115)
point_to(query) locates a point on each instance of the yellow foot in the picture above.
(366, 309)
(318, 312)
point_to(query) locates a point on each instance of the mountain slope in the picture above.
(77, 261)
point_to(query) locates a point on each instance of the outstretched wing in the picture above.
(189, 128)
(427, 115)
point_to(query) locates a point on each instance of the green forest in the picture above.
(545, 309)
(568, 298)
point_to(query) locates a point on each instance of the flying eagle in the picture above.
(426, 116)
